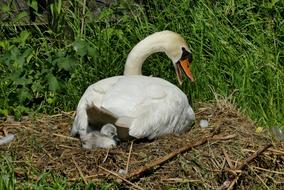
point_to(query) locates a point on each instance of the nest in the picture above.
(227, 154)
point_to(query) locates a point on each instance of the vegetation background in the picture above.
(237, 46)
(238, 49)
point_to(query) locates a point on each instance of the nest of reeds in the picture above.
(228, 154)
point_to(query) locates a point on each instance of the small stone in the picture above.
(203, 123)
(122, 172)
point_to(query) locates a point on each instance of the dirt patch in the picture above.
(44, 143)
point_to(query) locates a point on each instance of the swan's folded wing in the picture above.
(132, 92)
(100, 116)
(103, 116)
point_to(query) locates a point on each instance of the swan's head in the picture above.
(173, 44)
(177, 50)
(182, 65)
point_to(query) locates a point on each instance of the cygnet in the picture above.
(105, 138)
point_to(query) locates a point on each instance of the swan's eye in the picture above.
(113, 133)
(186, 55)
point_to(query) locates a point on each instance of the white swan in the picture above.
(105, 138)
(140, 106)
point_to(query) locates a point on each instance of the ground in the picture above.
(211, 158)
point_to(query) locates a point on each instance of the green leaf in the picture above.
(28, 53)
(4, 112)
(34, 5)
(21, 81)
(53, 84)
(65, 63)
(59, 6)
(24, 94)
(4, 44)
(24, 36)
(80, 47)
(19, 111)
(37, 86)
(92, 52)
(5, 8)
(20, 16)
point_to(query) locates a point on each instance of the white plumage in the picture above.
(105, 138)
(140, 106)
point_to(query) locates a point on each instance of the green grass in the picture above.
(47, 180)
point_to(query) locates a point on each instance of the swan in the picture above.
(106, 138)
(140, 106)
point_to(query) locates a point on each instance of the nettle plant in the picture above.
(35, 74)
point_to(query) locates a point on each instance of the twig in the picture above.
(270, 171)
(230, 182)
(279, 152)
(164, 159)
(80, 171)
(253, 156)
(128, 158)
(29, 128)
(5, 131)
(261, 180)
(48, 154)
(232, 171)
(63, 113)
(235, 179)
(122, 178)
(227, 158)
(83, 18)
(69, 147)
(66, 137)
(87, 177)
(181, 180)
(105, 158)
(273, 151)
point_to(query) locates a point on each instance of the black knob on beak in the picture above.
(116, 139)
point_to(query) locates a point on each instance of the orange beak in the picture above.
(183, 65)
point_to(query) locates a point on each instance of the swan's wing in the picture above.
(91, 101)
(100, 116)
(127, 96)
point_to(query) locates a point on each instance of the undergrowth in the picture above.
(238, 52)
(11, 179)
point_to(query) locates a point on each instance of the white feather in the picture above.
(7, 139)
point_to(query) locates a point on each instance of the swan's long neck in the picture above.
(152, 44)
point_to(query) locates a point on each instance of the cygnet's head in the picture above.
(105, 138)
(109, 130)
